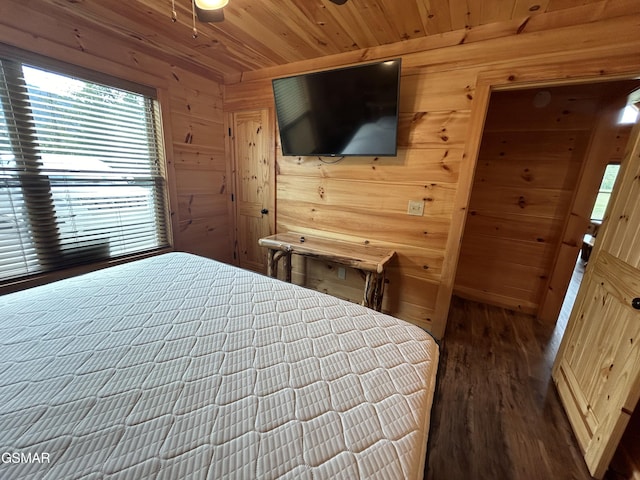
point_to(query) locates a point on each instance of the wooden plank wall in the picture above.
(191, 107)
(202, 180)
(361, 199)
(365, 199)
(526, 175)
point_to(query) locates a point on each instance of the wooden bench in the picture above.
(370, 260)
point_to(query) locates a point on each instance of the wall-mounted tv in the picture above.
(349, 111)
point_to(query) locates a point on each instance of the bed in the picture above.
(177, 366)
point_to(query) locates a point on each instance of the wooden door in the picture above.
(254, 151)
(597, 370)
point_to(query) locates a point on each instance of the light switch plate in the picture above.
(416, 207)
(342, 273)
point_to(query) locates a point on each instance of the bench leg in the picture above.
(272, 266)
(287, 266)
(369, 290)
(379, 292)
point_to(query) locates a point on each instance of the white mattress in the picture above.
(179, 367)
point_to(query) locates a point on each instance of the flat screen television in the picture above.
(349, 111)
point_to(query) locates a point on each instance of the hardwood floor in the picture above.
(496, 413)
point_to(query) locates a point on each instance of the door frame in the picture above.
(496, 80)
(488, 83)
(229, 148)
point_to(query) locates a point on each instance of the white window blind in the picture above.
(81, 176)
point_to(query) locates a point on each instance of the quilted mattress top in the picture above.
(182, 367)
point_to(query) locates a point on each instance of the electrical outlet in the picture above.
(342, 273)
(416, 207)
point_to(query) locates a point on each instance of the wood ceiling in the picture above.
(265, 33)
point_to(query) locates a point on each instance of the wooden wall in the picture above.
(446, 82)
(444, 92)
(365, 199)
(202, 174)
(191, 108)
(534, 145)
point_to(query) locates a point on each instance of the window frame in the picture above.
(601, 191)
(35, 60)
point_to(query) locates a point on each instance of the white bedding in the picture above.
(179, 367)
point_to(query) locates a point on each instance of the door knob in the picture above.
(635, 303)
(264, 211)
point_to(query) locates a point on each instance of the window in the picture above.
(81, 176)
(604, 193)
(629, 115)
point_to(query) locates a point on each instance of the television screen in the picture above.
(344, 112)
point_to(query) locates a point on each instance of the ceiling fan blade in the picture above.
(339, 2)
(209, 16)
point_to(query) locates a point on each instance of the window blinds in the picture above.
(81, 177)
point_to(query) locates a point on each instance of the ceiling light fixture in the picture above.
(209, 10)
(211, 4)
(203, 10)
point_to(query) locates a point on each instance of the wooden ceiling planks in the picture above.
(213, 44)
(405, 20)
(524, 8)
(270, 33)
(493, 11)
(435, 16)
(137, 25)
(462, 15)
(378, 22)
(328, 28)
(564, 4)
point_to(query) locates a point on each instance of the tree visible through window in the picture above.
(81, 172)
(604, 192)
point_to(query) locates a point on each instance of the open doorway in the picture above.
(598, 211)
(618, 135)
(529, 181)
(540, 164)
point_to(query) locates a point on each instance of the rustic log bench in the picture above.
(370, 260)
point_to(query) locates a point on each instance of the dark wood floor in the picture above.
(496, 413)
